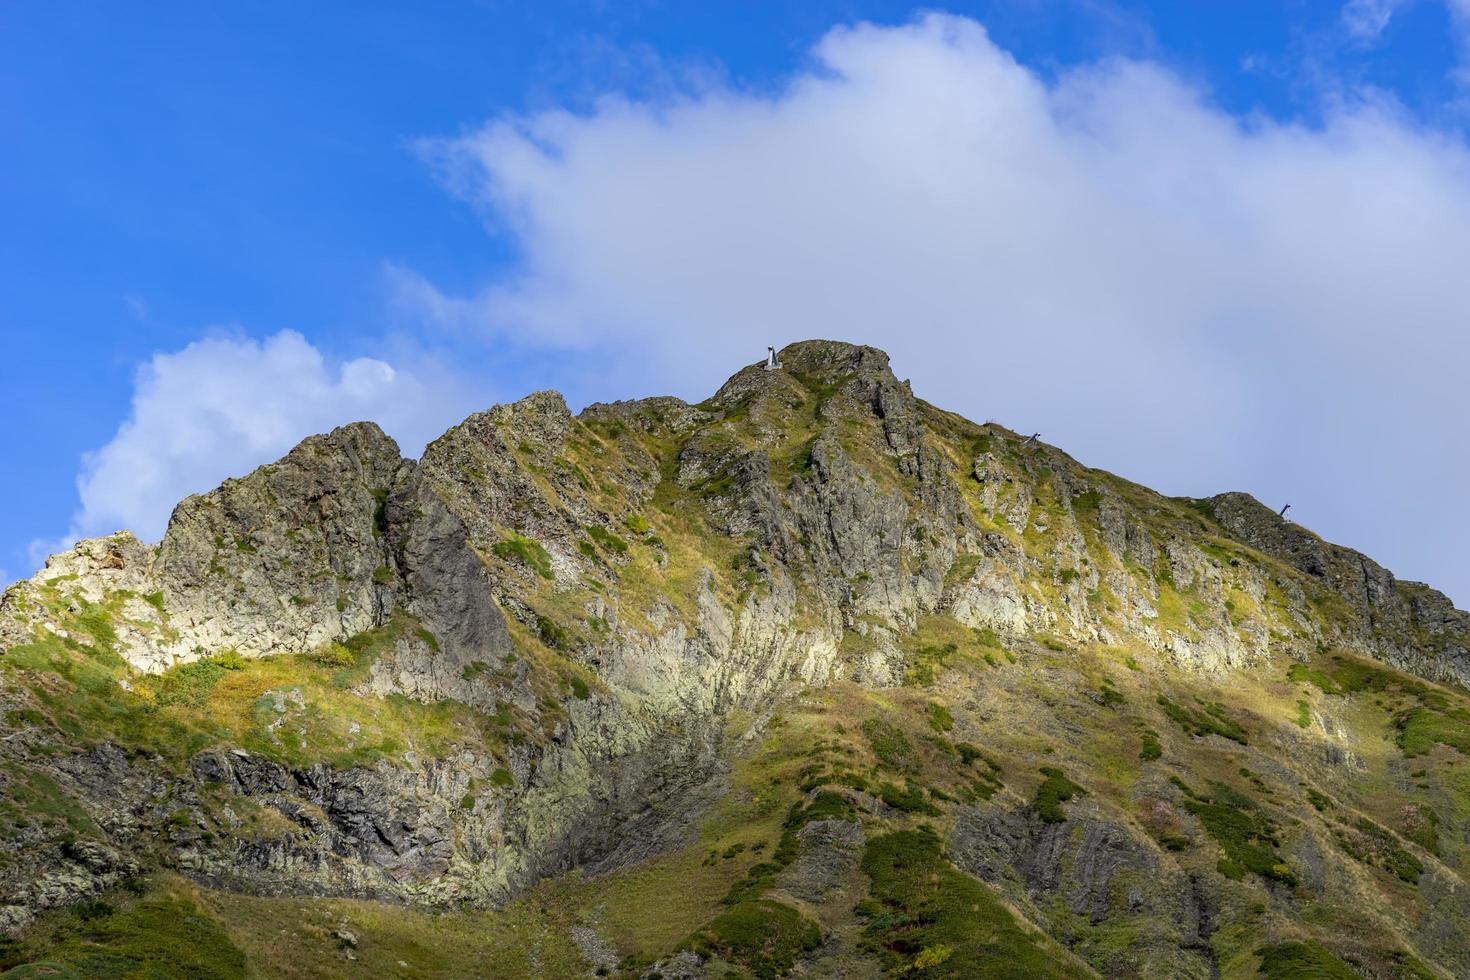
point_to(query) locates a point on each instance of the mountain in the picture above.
(811, 678)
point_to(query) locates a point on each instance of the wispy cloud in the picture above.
(1198, 300)
(1366, 20)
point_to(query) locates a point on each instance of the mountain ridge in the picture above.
(561, 644)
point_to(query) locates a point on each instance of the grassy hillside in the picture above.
(811, 679)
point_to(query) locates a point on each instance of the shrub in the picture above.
(1245, 835)
(607, 540)
(1211, 721)
(1375, 845)
(927, 919)
(1055, 790)
(230, 659)
(888, 742)
(909, 799)
(1420, 728)
(1289, 960)
(765, 937)
(1151, 748)
(518, 548)
(334, 655)
(551, 633)
(928, 663)
(189, 684)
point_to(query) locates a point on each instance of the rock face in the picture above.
(543, 646)
(1405, 623)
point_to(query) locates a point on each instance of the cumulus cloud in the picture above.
(222, 406)
(1199, 301)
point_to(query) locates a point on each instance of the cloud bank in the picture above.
(1195, 300)
(222, 406)
(1199, 301)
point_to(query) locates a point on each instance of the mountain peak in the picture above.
(816, 365)
(558, 643)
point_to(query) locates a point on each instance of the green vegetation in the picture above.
(1302, 961)
(1211, 721)
(335, 655)
(908, 798)
(32, 797)
(825, 805)
(607, 540)
(1368, 842)
(1151, 748)
(1431, 716)
(1421, 825)
(1055, 790)
(928, 663)
(191, 684)
(1421, 728)
(888, 742)
(518, 548)
(160, 936)
(229, 699)
(1305, 673)
(1244, 833)
(927, 919)
(940, 718)
(552, 633)
(764, 936)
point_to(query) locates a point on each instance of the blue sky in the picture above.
(451, 204)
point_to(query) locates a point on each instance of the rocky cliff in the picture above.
(1129, 734)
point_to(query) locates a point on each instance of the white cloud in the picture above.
(1365, 20)
(1197, 300)
(222, 406)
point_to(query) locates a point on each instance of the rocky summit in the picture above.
(809, 679)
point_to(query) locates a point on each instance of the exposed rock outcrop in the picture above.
(571, 626)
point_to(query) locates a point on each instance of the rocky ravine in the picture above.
(544, 645)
